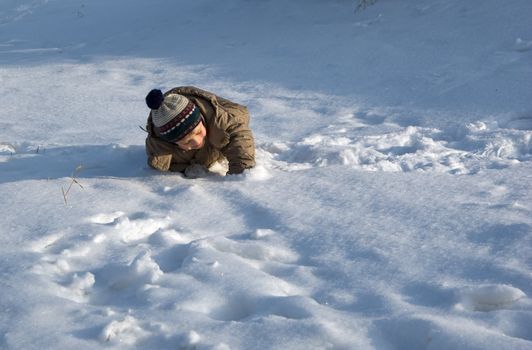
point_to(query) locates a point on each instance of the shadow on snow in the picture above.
(85, 161)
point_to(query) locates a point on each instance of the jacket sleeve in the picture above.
(240, 151)
(156, 159)
(160, 158)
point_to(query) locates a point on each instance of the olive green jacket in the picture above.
(228, 136)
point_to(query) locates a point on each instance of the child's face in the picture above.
(195, 139)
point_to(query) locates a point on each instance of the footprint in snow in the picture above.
(370, 118)
(80, 288)
(46, 243)
(523, 122)
(172, 258)
(289, 307)
(255, 249)
(141, 271)
(130, 229)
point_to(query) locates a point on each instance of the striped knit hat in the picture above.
(173, 115)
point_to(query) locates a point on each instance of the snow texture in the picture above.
(391, 205)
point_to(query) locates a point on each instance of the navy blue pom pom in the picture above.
(154, 99)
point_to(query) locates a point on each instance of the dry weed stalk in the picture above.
(72, 182)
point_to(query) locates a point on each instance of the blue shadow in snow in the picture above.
(93, 160)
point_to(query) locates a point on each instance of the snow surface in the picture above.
(391, 207)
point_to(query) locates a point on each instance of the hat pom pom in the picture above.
(154, 99)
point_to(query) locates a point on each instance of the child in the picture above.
(190, 129)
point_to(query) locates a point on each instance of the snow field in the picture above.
(390, 208)
(373, 139)
(259, 250)
(129, 264)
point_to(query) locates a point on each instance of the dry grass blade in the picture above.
(73, 180)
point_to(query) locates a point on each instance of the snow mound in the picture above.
(462, 149)
(523, 45)
(126, 331)
(106, 218)
(138, 229)
(142, 270)
(7, 149)
(490, 297)
(80, 288)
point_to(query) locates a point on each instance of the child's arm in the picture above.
(240, 151)
(161, 158)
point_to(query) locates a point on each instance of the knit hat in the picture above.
(173, 115)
